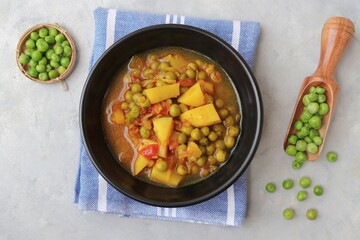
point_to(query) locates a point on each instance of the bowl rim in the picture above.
(24, 37)
(252, 149)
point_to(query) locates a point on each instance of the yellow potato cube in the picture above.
(193, 97)
(201, 116)
(158, 94)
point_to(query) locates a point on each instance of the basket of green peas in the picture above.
(46, 53)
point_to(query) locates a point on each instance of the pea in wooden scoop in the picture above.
(337, 33)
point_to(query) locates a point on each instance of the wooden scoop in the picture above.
(336, 35)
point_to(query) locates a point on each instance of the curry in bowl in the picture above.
(171, 117)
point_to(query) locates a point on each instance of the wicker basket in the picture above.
(21, 47)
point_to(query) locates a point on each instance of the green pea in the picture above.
(182, 170)
(53, 74)
(289, 213)
(306, 100)
(313, 97)
(312, 148)
(312, 90)
(67, 51)
(182, 138)
(305, 116)
(229, 141)
(190, 73)
(323, 109)
(233, 131)
(301, 196)
(30, 43)
(301, 157)
(321, 98)
(175, 110)
(196, 134)
(42, 46)
(50, 39)
(219, 103)
(40, 68)
(298, 125)
(317, 140)
(292, 139)
(288, 184)
(32, 72)
(313, 133)
(318, 190)
(229, 121)
(220, 144)
(170, 75)
(331, 156)
(311, 214)
(128, 95)
(43, 61)
(36, 56)
(132, 104)
(43, 76)
(161, 165)
(313, 107)
(164, 66)
(270, 187)
(219, 129)
(138, 97)
(53, 32)
(305, 182)
(193, 66)
(182, 147)
(61, 69)
(204, 141)
(54, 64)
(134, 112)
(201, 161)
(210, 149)
(296, 165)
(145, 103)
(320, 90)
(221, 155)
(305, 130)
(55, 57)
(187, 130)
(43, 32)
(212, 136)
(291, 150)
(148, 73)
(183, 107)
(34, 36)
(29, 51)
(136, 88)
(60, 38)
(124, 105)
(48, 68)
(223, 113)
(201, 75)
(301, 145)
(24, 59)
(58, 49)
(315, 122)
(145, 133)
(49, 53)
(32, 63)
(205, 131)
(65, 62)
(154, 65)
(65, 43)
(212, 160)
(308, 139)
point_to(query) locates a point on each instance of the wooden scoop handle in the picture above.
(336, 35)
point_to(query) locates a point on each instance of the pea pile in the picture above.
(47, 54)
(304, 183)
(306, 138)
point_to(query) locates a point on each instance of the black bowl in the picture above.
(107, 68)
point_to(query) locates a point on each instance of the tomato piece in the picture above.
(187, 82)
(165, 109)
(150, 151)
(173, 143)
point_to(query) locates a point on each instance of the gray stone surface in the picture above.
(39, 131)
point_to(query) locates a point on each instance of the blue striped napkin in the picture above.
(93, 193)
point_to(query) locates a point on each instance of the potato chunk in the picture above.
(201, 116)
(158, 94)
(163, 128)
(193, 97)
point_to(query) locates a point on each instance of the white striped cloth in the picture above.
(93, 193)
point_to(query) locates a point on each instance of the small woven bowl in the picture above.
(21, 48)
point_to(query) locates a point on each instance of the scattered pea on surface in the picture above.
(305, 182)
(331, 156)
(270, 187)
(311, 214)
(289, 213)
(318, 190)
(288, 184)
(301, 196)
